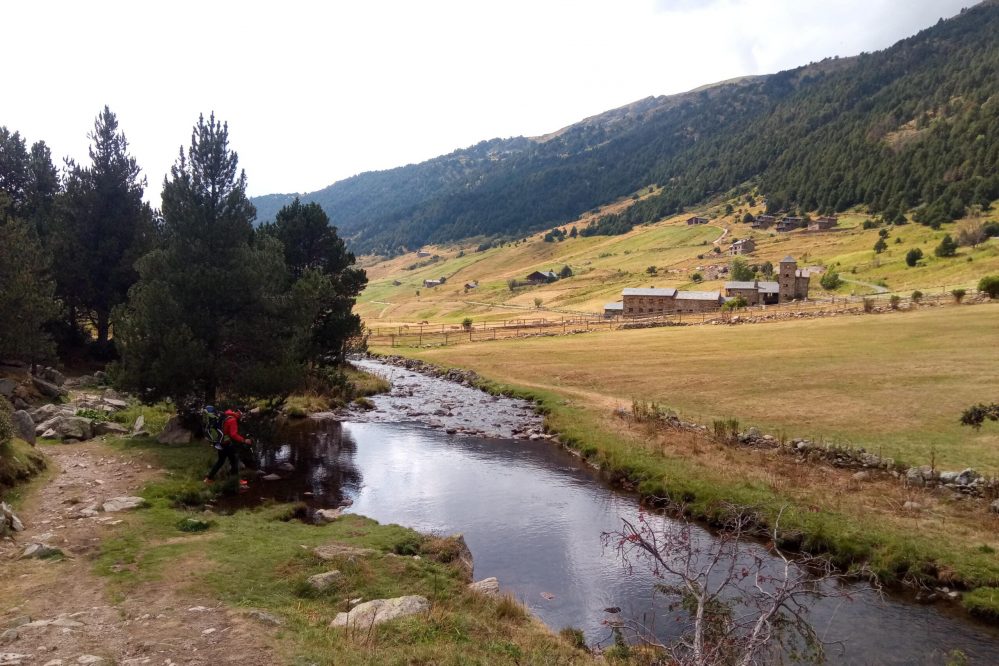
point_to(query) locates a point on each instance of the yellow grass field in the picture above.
(603, 265)
(894, 383)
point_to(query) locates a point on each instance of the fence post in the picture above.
(393, 339)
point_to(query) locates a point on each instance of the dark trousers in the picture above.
(227, 452)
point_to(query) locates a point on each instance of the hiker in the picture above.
(223, 432)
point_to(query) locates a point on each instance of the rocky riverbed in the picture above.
(447, 400)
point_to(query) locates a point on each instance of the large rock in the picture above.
(68, 427)
(994, 507)
(24, 427)
(377, 611)
(139, 425)
(174, 433)
(322, 581)
(7, 387)
(39, 551)
(46, 412)
(114, 403)
(109, 428)
(124, 503)
(48, 389)
(54, 376)
(9, 521)
(486, 586)
(324, 516)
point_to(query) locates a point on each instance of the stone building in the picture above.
(793, 281)
(652, 302)
(744, 246)
(756, 292)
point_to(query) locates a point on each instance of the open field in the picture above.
(603, 265)
(894, 383)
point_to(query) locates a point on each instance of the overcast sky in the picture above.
(318, 91)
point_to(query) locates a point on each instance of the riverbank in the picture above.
(177, 578)
(927, 540)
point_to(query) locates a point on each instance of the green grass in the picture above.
(20, 467)
(983, 602)
(261, 559)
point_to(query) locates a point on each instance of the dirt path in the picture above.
(60, 612)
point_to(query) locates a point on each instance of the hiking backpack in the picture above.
(212, 421)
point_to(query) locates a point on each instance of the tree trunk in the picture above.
(103, 328)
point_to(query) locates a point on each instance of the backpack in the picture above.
(212, 420)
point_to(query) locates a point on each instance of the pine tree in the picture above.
(103, 228)
(212, 312)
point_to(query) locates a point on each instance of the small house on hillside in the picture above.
(744, 246)
(790, 223)
(431, 283)
(697, 220)
(612, 310)
(471, 285)
(763, 222)
(538, 277)
(422, 254)
(823, 223)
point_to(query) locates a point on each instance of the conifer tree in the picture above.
(212, 313)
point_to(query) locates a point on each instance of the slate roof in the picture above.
(651, 291)
(763, 286)
(698, 295)
(614, 306)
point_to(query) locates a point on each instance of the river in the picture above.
(533, 514)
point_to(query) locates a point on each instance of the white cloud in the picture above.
(315, 92)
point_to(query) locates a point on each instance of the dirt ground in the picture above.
(58, 612)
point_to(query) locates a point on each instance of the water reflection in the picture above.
(532, 515)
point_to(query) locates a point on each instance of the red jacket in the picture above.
(230, 428)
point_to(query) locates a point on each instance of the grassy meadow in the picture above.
(603, 265)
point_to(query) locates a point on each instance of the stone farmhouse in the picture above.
(823, 223)
(697, 220)
(763, 222)
(790, 224)
(638, 302)
(791, 284)
(539, 277)
(744, 246)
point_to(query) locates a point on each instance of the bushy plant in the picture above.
(913, 256)
(947, 247)
(958, 294)
(830, 281)
(989, 285)
(917, 296)
(6, 426)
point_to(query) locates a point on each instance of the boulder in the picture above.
(263, 617)
(7, 387)
(271, 477)
(378, 611)
(46, 412)
(862, 476)
(139, 425)
(67, 427)
(324, 516)
(124, 503)
(48, 389)
(39, 551)
(54, 376)
(967, 477)
(994, 507)
(322, 581)
(114, 403)
(286, 467)
(24, 426)
(109, 428)
(486, 586)
(8, 520)
(174, 433)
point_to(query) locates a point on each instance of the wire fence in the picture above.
(435, 335)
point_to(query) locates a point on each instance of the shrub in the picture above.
(538, 302)
(880, 246)
(868, 305)
(989, 285)
(869, 224)
(651, 270)
(917, 296)
(894, 300)
(735, 303)
(6, 426)
(466, 323)
(913, 256)
(696, 277)
(831, 281)
(947, 247)
(958, 294)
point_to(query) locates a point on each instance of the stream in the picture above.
(533, 514)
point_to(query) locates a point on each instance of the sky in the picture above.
(317, 91)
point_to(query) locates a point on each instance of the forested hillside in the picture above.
(913, 126)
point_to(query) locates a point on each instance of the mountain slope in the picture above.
(914, 125)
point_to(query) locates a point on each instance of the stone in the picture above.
(48, 389)
(8, 519)
(54, 376)
(18, 621)
(109, 428)
(264, 617)
(174, 432)
(124, 503)
(862, 476)
(378, 611)
(8, 636)
(46, 412)
(7, 387)
(322, 581)
(39, 551)
(754, 433)
(948, 477)
(72, 427)
(325, 516)
(271, 477)
(346, 502)
(24, 426)
(286, 467)
(13, 658)
(114, 403)
(912, 506)
(336, 550)
(89, 659)
(967, 477)
(139, 425)
(994, 507)
(486, 586)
